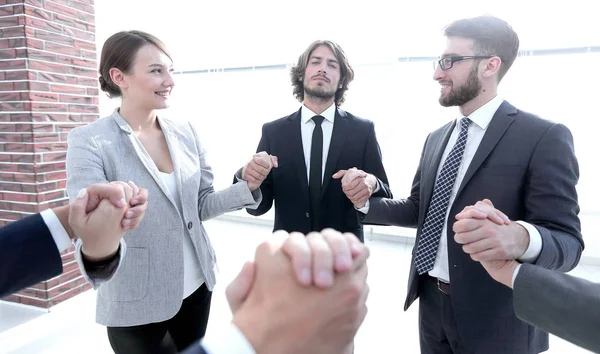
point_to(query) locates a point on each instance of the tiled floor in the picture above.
(70, 326)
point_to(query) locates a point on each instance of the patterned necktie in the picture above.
(315, 175)
(436, 215)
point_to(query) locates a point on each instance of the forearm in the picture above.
(561, 251)
(383, 191)
(563, 305)
(393, 212)
(235, 197)
(100, 272)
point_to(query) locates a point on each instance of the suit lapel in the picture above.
(338, 136)
(502, 119)
(173, 144)
(434, 157)
(297, 151)
(142, 154)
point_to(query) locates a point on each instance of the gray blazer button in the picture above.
(307, 215)
(190, 225)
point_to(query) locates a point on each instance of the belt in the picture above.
(441, 285)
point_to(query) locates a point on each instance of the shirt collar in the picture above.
(484, 114)
(328, 114)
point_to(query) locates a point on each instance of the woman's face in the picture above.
(150, 80)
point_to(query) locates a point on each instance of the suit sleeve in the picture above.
(266, 188)
(563, 305)
(84, 168)
(373, 164)
(397, 212)
(551, 199)
(28, 254)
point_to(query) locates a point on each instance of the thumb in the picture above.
(488, 202)
(237, 291)
(77, 209)
(274, 161)
(339, 174)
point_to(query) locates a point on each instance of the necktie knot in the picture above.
(464, 123)
(318, 120)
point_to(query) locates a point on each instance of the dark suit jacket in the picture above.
(353, 144)
(28, 254)
(563, 305)
(527, 167)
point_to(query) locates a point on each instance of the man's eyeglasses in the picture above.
(446, 63)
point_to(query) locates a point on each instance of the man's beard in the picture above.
(319, 92)
(460, 95)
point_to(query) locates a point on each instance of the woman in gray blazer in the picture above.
(154, 295)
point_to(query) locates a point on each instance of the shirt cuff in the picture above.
(229, 341)
(515, 276)
(58, 232)
(535, 243)
(365, 209)
(377, 187)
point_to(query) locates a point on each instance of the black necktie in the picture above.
(316, 167)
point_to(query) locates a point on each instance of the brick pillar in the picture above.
(48, 85)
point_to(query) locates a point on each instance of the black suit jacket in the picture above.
(28, 254)
(527, 167)
(561, 304)
(353, 144)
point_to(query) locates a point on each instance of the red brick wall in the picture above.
(48, 85)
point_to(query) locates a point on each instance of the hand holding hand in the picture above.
(357, 185)
(487, 240)
(257, 169)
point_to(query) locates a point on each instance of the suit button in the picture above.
(307, 215)
(190, 225)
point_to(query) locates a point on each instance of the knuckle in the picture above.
(352, 294)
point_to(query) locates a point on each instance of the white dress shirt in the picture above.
(308, 126)
(58, 232)
(192, 273)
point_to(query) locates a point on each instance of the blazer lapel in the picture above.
(173, 144)
(297, 151)
(500, 122)
(434, 157)
(142, 154)
(338, 137)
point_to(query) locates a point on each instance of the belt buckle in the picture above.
(439, 286)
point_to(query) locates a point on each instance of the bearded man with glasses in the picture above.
(521, 166)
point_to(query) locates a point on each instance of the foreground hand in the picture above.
(486, 240)
(357, 185)
(501, 271)
(282, 316)
(315, 259)
(257, 169)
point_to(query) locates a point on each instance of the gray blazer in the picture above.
(147, 284)
(563, 305)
